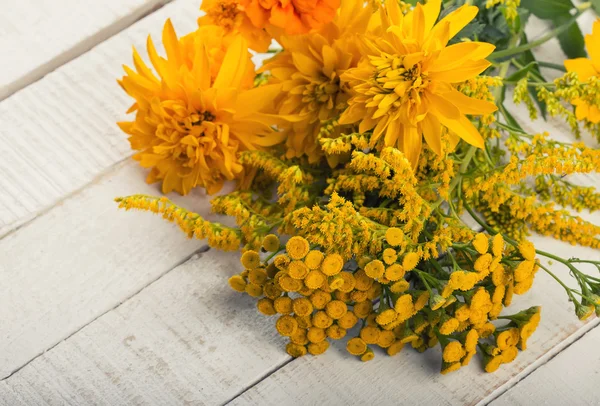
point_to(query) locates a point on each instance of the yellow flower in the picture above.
(481, 243)
(250, 259)
(336, 332)
(309, 71)
(271, 243)
(370, 334)
(349, 282)
(283, 305)
(313, 259)
(193, 119)
(356, 346)
(410, 261)
(315, 279)
(321, 319)
(390, 256)
(332, 264)
(587, 68)
(447, 367)
(297, 247)
(237, 283)
(257, 276)
(395, 348)
(286, 325)
(232, 18)
(265, 306)
(336, 309)
(348, 320)
(368, 355)
(453, 352)
(302, 306)
(394, 236)
(375, 269)
(319, 348)
(403, 89)
(295, 350)
(316, 335)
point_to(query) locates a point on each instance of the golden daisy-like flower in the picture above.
(403, 89)
(232, 18)
(587, 68)
(294, 16)
(193, 119)
(309, 71)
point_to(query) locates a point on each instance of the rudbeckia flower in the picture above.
(309, 71)
(231, 17)
(587, 68)
(193, 118)
(404, 90)
(294, 16)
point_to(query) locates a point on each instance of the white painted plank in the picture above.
(60, 133)
(571, 378)
(185, 339)
(38, 36)
(80, 260)
(337, 378)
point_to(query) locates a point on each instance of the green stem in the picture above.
(533, 44)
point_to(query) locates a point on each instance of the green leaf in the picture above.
(521, 73)
(548, 9)
(571, 41)
(596, 5)
(510, 120)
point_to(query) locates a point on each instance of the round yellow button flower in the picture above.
(356, 346)
(332, 264)
(297, 247)
(286, 325)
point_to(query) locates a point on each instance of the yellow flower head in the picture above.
(587, 68)
(193, 119)
(309, 71)
(297, 247)
(404, 90)
(356, 346)
(453, 352)
(232, 18)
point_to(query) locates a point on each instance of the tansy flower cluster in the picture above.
(363, 151)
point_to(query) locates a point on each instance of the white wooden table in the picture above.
(99, 306)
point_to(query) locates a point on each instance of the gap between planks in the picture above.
(196, 254)
(106, 172)
(79, 49)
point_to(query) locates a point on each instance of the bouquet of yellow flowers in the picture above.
(383, 190)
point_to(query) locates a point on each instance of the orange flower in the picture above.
(309, 70)
(231, 17)
(294, 16)
(197, 110)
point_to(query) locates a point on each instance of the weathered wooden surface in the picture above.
(60, 132)
(185, 339)
(571, 378)
(38, 36)
(105, 307)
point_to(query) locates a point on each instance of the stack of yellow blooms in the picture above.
(365, 140)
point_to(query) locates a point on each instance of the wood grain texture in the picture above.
(59, 133)
(38, 36)
(571, 378)
(185, 339)
(337, 378)
(79, 260)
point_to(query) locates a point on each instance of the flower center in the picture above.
(320, 95)
(399, 75)
(224, 13)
